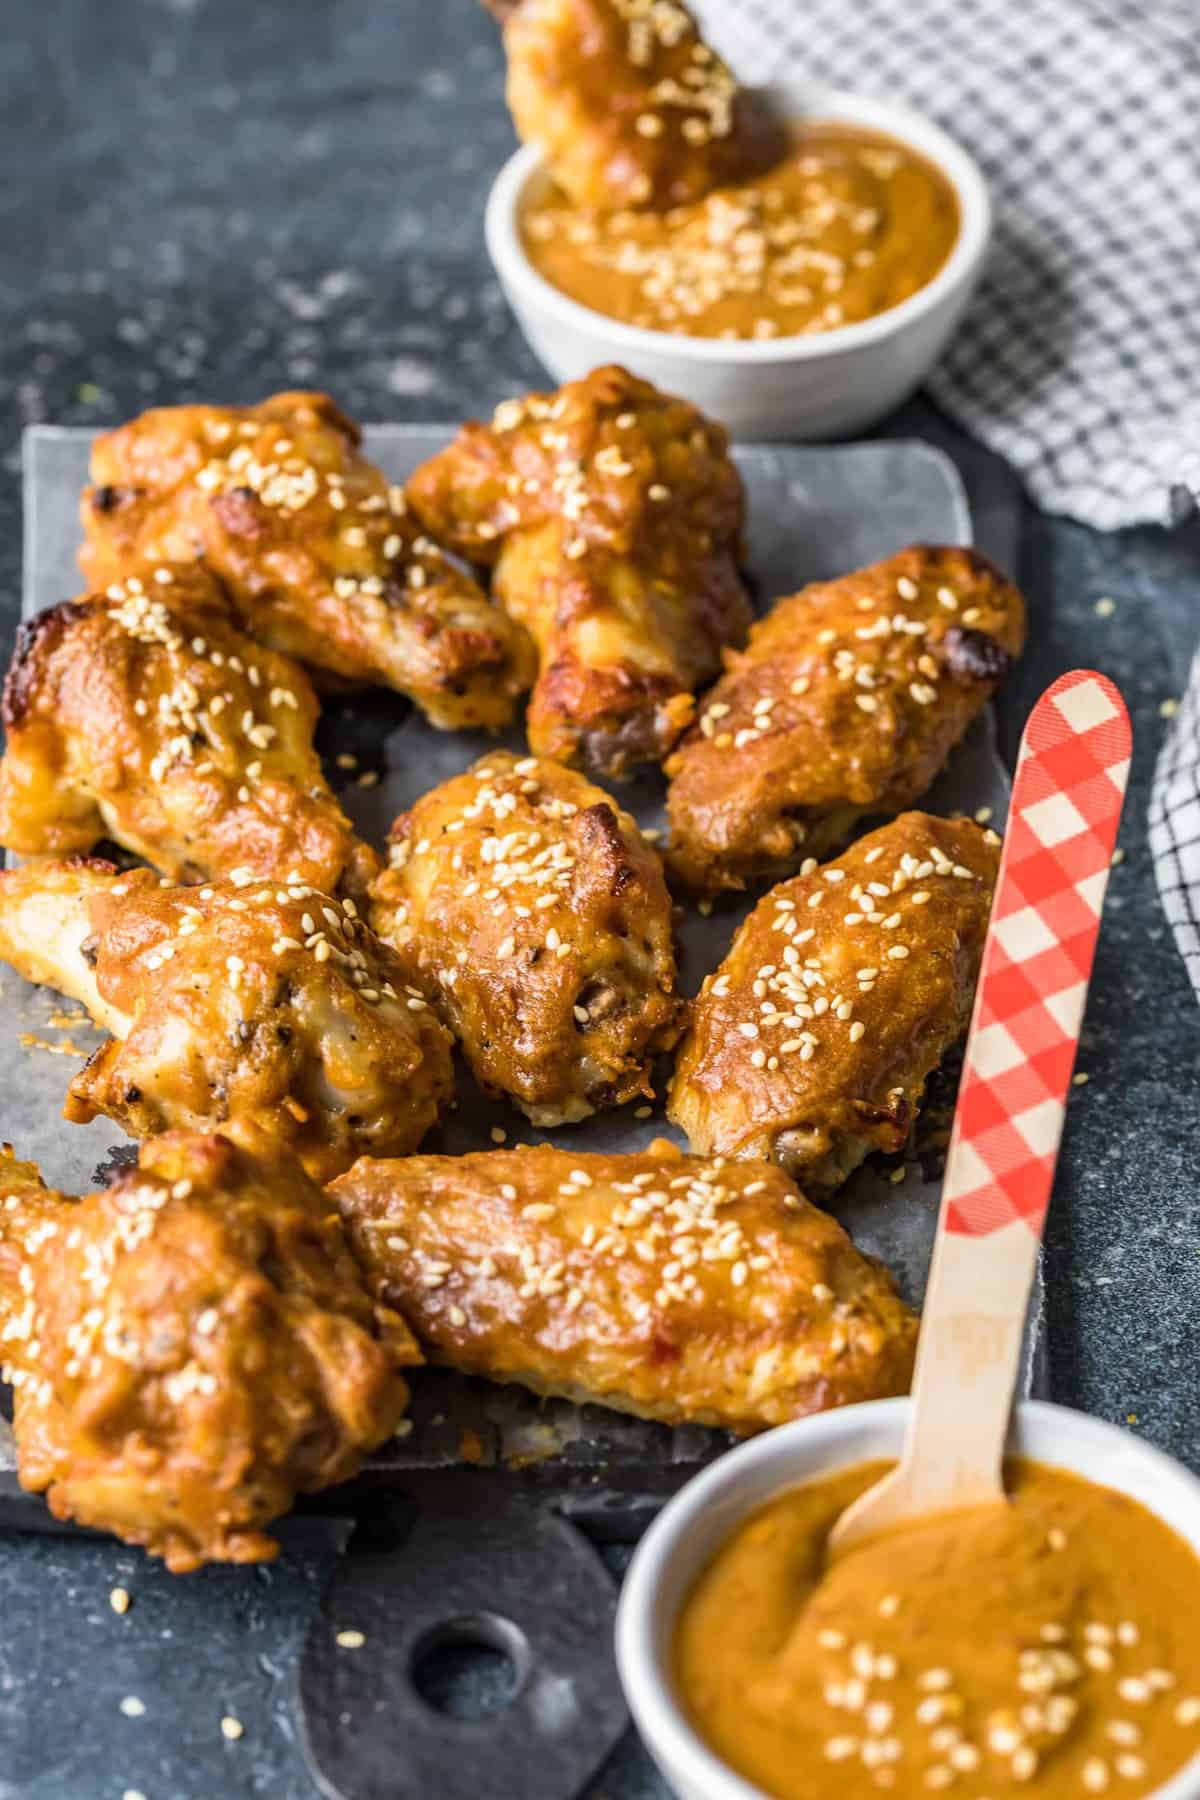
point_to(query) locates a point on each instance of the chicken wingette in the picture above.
(271, 1012)
(812, 1043)
(145, 715)
(539, 923)
(673, 1287)
(846, 704)
(190, 1349)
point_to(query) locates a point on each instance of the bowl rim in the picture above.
(649, 1690)
(838, 105)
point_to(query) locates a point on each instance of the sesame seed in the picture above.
(120, 1600)
(132, 1707)
(232, 1729)
(350, 1640)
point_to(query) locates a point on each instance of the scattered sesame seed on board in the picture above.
(232, 1729)
(350, 1640)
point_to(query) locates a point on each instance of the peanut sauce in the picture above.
(848, 224)
(1048, 1647)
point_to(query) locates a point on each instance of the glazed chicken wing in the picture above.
(318, 553)
(847, 702)
(190, 1349)
(144, 715)
(659, 1284)
(272, 1012)
(844, 988)
(540, 923)
(628, 104)
(612, 514)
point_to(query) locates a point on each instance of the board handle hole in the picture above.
(471, 1667)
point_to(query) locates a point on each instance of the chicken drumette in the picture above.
(659, 1284)
(847, 702)
(628, 104)
(270, 1011)
(191, 1349)
(813, 1041)
(612, 514)
(143, 714)
(540, 924)
(318, 553)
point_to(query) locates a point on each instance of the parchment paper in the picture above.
(814, 512)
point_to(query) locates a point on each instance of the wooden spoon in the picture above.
(1037, 962)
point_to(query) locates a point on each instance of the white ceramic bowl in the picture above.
(704, 1513)
(820, 386)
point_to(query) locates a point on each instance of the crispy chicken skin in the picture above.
(847, 703)
(271, 1012)
(143, 714)
(190, 1349)
(628, 104)
(612, 515)
(656, 1283)
(539, 922)
(813, 1041)
(318, 553)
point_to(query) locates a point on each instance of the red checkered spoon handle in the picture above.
(1037, 962)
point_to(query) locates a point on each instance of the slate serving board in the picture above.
(496, 1557)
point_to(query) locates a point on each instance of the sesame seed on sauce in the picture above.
(793, 1007)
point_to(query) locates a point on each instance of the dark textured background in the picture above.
(211, 199)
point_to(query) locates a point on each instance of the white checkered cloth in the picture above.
(1175, 826)
(1080, 359)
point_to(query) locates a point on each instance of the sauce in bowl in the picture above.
(847, 225)
(1048, 1647)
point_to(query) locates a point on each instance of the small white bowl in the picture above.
(820, 386)
(703, 1515)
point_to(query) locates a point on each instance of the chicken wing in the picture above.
(657, 1283)
(813, 1041)
(628, 104)
(847, 702)
(191, 1349)
(318, 553)
(612, 514)
(143, 714)
(272, 1012)
(540, 924)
